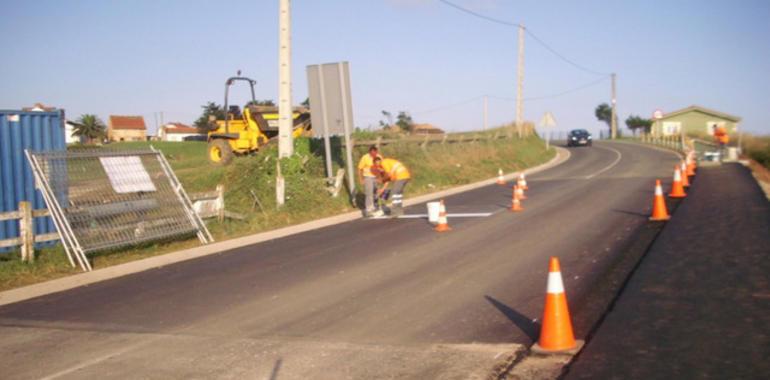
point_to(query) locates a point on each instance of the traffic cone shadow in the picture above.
(556, 336)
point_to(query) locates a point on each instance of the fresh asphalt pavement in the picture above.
(363, 299)
(698, 306)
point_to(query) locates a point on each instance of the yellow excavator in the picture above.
(242, 133)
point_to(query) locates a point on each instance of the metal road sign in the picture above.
(548, 120)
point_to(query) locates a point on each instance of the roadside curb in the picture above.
(120, 270)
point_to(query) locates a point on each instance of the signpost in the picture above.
(331, 110)
(547, 121)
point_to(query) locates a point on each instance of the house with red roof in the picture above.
(126, 128)
(176, 132)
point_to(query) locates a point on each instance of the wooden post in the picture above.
(443, 141)
(378, 142)
(26, 232)
(221, 203)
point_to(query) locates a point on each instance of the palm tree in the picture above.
(90, 127)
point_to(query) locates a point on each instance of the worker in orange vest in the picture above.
(722, 139)
(393, 171)
(368, 180)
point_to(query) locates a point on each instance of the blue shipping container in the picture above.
(20, 130)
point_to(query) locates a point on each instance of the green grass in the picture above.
(433, 168)
(758, 148)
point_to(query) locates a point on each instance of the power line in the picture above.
(536, 38)
(563, 58)
(589, 84)
(479, 15)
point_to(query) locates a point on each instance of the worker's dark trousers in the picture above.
(397, 207)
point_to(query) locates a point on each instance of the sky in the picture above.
(142, 57)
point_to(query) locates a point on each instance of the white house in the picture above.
(69, 127)
(176, 132)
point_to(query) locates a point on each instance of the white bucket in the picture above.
(433, 211)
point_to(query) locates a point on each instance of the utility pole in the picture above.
(520, 81)
(614, 121)
(285, 122)
(486, 110)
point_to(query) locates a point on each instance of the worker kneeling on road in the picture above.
(392, 171)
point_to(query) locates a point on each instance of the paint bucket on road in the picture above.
(433, 211)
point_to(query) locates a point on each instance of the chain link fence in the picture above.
(107, 199)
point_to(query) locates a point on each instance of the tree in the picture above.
(210, 109)
(266, 102)
(634, 122)
(89, 127)
(306, 103)
(604, 113)
(404, 121)
(388, 116)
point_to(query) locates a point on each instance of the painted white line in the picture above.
(608, 167)
(425, 216)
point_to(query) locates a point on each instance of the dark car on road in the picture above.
(578, 137)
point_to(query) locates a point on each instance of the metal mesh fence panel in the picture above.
(110, 199)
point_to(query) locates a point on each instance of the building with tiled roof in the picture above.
(126, 128)
(176, 132)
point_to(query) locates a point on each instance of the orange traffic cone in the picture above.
(556, 333)
(500, 179)
(659, 211)
(515, 201)
(443, 224)
(677, 190)
(522, 182)
(520, 192)
(690, 165)
(683, 170)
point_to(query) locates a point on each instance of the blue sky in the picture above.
(141, 57)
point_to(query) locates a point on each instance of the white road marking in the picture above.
(425, 216)
(608, 167)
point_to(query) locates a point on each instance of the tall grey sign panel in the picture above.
(331, 109)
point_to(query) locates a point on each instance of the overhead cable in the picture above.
(536, 38)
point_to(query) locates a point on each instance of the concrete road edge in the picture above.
(73, 281)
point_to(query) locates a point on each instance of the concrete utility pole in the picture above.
(614, 121)
(285, 122)
(486, 110)
(520, 81)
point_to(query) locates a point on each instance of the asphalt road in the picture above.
(364, 299)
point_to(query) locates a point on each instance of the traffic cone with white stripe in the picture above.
(685, 179)
(520, 191)
(691, 164)
(556, 334)
(515, 201)
(522, 182)
(677, 190)
(443, 224)
(659, 210)
(500, 179)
